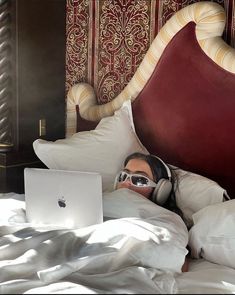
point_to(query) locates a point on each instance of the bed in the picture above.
(178, 106)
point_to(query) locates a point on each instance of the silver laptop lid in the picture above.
(70, 199)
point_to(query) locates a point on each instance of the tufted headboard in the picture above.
(183, 96)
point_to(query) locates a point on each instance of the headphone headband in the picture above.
(165, 165)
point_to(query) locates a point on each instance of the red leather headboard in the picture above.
(186, 111)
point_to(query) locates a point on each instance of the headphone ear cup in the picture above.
(162, 191)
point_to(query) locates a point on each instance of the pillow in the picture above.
(194, 192)
(212, 236)
(101, 150)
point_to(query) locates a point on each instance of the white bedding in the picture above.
(140, 248)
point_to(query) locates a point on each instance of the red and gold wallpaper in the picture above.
(107, 39)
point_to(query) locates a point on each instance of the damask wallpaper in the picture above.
(107, 39)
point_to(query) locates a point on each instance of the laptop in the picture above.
(61, 198)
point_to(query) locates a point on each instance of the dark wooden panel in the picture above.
(12, 166)
(38, 38)
(41, 68)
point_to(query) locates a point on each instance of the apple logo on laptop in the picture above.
(62, 202)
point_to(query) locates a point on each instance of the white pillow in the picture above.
(194, 192)
(101, 150)
(212, 236)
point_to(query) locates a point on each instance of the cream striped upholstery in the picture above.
(210, 22)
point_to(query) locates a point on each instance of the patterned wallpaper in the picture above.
(107, 39)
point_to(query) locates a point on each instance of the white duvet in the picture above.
(140, 248)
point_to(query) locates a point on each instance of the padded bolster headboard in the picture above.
(186, 111)
(183, 95)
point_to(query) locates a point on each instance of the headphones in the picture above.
(164, 186)
(162, 191)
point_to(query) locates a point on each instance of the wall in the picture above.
(107, 39)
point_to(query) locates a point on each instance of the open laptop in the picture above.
(69, 199)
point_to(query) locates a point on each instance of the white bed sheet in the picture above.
(205, 277)
(118, 256)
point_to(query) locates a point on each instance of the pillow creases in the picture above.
(212, 236)
(194, 192)
(102, 150)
